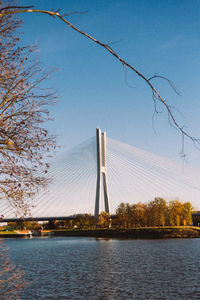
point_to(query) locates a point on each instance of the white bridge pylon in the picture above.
(100, 166)
(101, 171)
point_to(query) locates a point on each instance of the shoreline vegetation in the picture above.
(135, 233)
(166, 232)
(157, 219)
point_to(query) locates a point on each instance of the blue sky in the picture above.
(154, 36)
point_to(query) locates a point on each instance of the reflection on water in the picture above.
(87, 268)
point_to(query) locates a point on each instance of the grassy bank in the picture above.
(133, 233)
(11, 234)
(7, 234)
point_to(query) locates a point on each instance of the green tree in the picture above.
(32, 225)
(89, 221)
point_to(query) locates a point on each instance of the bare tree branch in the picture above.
(11, 278)
(126, 79)
(156, 95)
(24, 143)
(169, 81)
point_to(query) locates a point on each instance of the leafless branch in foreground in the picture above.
(11, 278)
(25, 144)
(155, 94)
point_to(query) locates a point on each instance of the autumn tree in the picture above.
(140, 215)
(84, 221)
(104, 220)
(187, 214)
(180, 213)
(89, 221)
(24, 142)
(157, 212)
(175, 211)
(129, 216)
(121, 214)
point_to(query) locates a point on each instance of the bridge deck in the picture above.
(30, 219)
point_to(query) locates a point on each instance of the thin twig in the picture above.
(156, 94)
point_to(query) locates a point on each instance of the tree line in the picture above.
(153, 214)
(156, 213)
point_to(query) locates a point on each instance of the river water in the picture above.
(89, 268)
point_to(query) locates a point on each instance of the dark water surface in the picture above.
(88, 268)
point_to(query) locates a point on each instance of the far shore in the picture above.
(133, 233)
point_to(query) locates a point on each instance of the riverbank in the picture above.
(135, 233)
(15, 234)
(25, 233)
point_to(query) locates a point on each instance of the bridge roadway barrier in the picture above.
(31, 219)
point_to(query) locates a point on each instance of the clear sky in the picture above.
(154, 36)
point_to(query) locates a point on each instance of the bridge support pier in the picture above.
(101, 171)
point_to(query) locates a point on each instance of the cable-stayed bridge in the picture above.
(100, 173)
